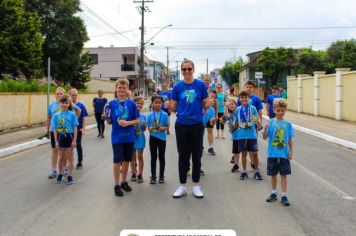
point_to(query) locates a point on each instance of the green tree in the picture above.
(82, 75)
(276, 62)
(64, 35)
(230, 71)
(309, 61)
(342, 54)
(20, 40)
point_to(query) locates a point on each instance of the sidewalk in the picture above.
(8, 139)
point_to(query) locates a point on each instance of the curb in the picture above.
(323, 136)
(27, 145)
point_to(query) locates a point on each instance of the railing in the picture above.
(127, 67)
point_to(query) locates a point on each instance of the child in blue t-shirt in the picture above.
(232, 120)
(209, 121)
(269, 102)
(65, 125)
(247, 118)
(140, 143)
(280, 135)
(158, 123)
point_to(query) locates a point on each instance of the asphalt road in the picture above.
(321, 189)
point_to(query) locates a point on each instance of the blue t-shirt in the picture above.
(125, 110)
(221, 99)
(279, 134)
(140, 142)
(232, 118)
(83, 113)
(166, 95)
(210, 113)
(64, 122)
(190, 99)
(246, 115)
(254, 101)
(53, 109)
(99, 104)
(156, 120)
(269, 100)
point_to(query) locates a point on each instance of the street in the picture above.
(321, 190)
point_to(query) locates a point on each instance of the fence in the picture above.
(26, 109)
(332, 96)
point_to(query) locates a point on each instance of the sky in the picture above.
(218, 30)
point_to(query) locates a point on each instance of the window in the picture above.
(94, 58)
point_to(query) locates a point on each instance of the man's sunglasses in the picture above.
(187, 69)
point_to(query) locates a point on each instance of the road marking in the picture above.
(323, 182)
(323, 136)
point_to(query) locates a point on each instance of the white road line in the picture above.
(323, 182)
(323, 136)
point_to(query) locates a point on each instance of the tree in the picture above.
(64, 35)
(230, 71)
(309, 61)
(275, 62)
(82, 75)
(20, 40)
(342, 54)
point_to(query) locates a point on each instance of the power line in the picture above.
(258, 28)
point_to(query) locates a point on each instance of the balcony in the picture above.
(127, 67)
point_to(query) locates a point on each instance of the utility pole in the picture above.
(48, 80)
(142, 48)
(207, 66)
(177, 70)
(168, 75)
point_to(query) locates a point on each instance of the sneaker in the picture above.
(180, 192)
(253, 166)
(65, 171)
(70, 180)
(161, 180)
(133, 178)
(284, 201)
(59, 179)
(197, 192)
(102, 136)
(79, 165)
(235, 168)
(99, 135)
(52, 174)
(243, 176)
(257, 176)
(211, 151)
(272, 198)
(153, 180)
(202, 173)
(232, 160)
(139, 179)
(118, 191)
(125, 186)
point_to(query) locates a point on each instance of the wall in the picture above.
(95, 84)
(326, 106)
(26, 109)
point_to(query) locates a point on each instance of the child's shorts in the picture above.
(247, 145)
(208, 125)
(53, 141)
(65, 140)
(138, 150)
(122, 152)
(278, 165)
(235, 146)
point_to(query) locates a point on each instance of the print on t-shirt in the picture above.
(278, 140)
(62, 128)
(190, 95)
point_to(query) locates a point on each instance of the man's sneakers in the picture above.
(133, 178)
(284, 201)
(180, 192)
(161, 180)
(235, 168)
(125, 186)
(257, 176)
(197, 193)
(79, 166)
(59, 179)
(272, 198)
(243, 176)
(70, 180)
(211, 151)
(52, 174)
(153, 180)
(118, 192)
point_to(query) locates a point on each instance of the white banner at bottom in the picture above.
(193, 232)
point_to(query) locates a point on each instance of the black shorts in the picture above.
(208, 125)
(53, 142)
(278, 165)
(235, 146)
(122, 152)
(65, 140)
(247, 145)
